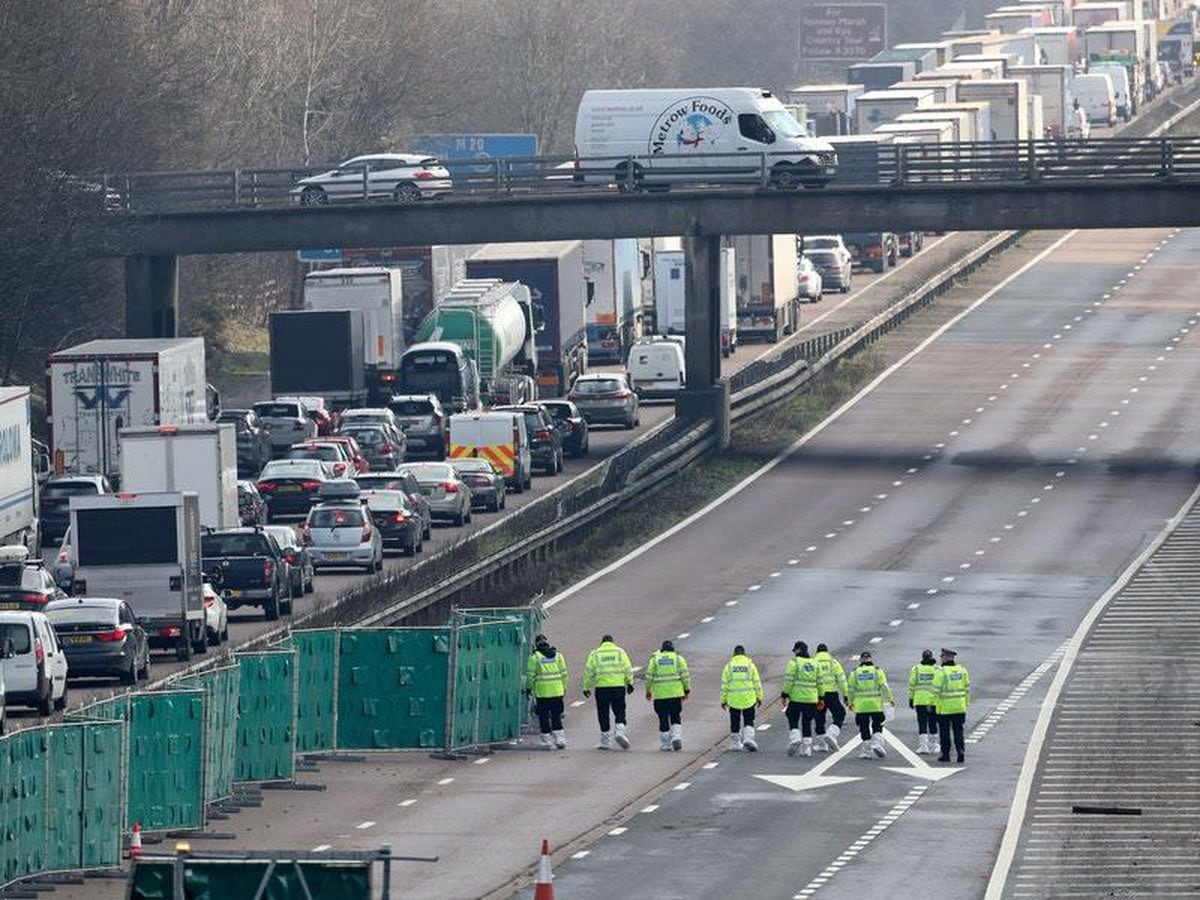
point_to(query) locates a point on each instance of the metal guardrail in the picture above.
(888, 166)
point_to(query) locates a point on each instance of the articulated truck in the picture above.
(18, 480)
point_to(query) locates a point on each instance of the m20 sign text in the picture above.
(842, 32)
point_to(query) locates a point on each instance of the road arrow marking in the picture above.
(815, 777)
(920, 768)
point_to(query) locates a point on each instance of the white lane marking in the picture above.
(684, 785)
(710, 765)
(896, 623)
(409, 802)
(1016, 813)
(706, 620)
(683, 635)
(819, 428)
(764, 726)
(364, 825)
(320, 848)
(793, 562)
(483, 760)
(578, 703)
(774, 574)
(651, 808)
(754, 587)
(582, 854)
(914, 606)
(875, 640)
(810, 548)
(445, 781)
(731, 603)
(992, 718)
(618, 831)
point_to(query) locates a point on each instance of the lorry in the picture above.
(1129, 45)
(18, 475)
(767, 287)
(97, 388)
(878, 76)
(1052, 85)
(613, 270)
(1008, 102)
(318, 353)
(830, 106)
(1057, 45)
(144, 549)
(376, 293)
(876, 108)
(197, 458)
(427, 273)
(492, 320)
(670, 295)
(553, 273)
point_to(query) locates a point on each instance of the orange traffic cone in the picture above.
(135, 841)
(543, 884)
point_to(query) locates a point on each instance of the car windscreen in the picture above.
(283, 535)
(386, 500)
(19, 577)
(126, 536)
(328, 454)
(813, 243)
(411, 407)
(219, 545)
(822, 257)
(299, 468)
(435, 472)
(472, 465)
(277, 410)
(366, 437)
(80, 614)
(17, 633)
(379, 482)
(69, 489)
(598, 386)
(336, 517)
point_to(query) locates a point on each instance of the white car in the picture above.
(35, 674)
(831, 242)
(368, 415)
(216, 615)
(403, 177)
(810, 284)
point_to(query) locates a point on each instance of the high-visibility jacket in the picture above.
(546, 676)
(952, 689)
(607, 666)
(830, 672)
(741, 687)
(667, 676)
(801, 682)
(867, 689)
(920, 684)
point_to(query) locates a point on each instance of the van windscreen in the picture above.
(129, 536)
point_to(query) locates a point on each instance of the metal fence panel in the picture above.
(266, 716)
(316, 675)
(103, 785)
(166, 760)
(23, 776)
(392, 688)
(64, 783)
(154, 879)
(488, 699)
(221, 688)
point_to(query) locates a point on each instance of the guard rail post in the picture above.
(366, 175)
(1166, 161)
(494, 165)
(630, 180)
(1031, 164)
(237, 187)
(901, 165)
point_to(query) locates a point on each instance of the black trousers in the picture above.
(804, 716)
(740, 717)
(549, 712)
(952, 723)
(610, 699)
(927, 719)
(669, 712)
(833, 705)
(869, 723)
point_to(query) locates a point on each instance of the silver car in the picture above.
(341, 533)
(448, 495)
(487, 485)
(605, 398)
(403, 177)
(287, 421)
(423, 421)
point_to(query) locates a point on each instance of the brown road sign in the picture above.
(842, 32)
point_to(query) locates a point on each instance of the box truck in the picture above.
(922, 58)
(553, 272)
(613, 271)
(876, 108)
(1006, 98)
(768, 305)
(201, 459)
(320, 354)
(376, 293)
(1052, 84)
(670, 294)
(427, 273)
(830, 106)
(878, 76)
(96, 389)
(18, 475)
(945, 90)
(1057, 46)
(144, 549)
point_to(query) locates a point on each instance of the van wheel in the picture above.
(623, 178)
(785, 176)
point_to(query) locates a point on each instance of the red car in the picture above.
(351, 445)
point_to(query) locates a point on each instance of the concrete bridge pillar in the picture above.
(706, 395)
(151, 296)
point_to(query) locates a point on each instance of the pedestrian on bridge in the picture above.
(741, 694)
(546, 680)
(868, 690)
(668, 685)
(833, 689)
(922, 698)
(800, 693)
(952, 691)
(610, 673)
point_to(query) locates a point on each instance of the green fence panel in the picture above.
(23, 775)
(64, 781)
(103, 789)
(316, 674)
(166, 760)
(391, 690)
(489, 702)
(224, 879)
(221, 688)
(531, 618)
(266, 742)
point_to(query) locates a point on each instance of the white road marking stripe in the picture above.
(363, 825)
(320, 848)
(445, 781)
(409, 802)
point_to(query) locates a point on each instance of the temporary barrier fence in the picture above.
(486, 697)
(317, 660)
(221, 688)
(266, 733)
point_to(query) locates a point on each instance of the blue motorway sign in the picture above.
(319, 256)
(463, 147)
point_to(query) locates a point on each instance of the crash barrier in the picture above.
(263, 875)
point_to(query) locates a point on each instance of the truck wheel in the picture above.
(271, 608)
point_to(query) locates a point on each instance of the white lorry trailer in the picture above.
(197, 458)
(613, 270)
(768, 304)
(98, 388)
(670, 295)
(18, 480)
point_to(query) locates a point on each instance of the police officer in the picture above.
(608, 671)
(868, 690)
(539, 641)
(952, 693)
(546, 680)
(668, 686)
(833, 688)
(741, 694)
(800, 692)
(922, 699)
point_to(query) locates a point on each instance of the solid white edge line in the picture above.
(804, 439)
(1016, 814)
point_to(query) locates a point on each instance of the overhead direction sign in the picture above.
(842, 32)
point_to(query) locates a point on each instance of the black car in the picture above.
(54, 508)
(252, 509)
(399, 525)
(290, 487)
(100, 637)
(249, 569)
(253, 440)
(406, 482)
(297, 557)
(488, 490)
(572, 426)
(545, 441)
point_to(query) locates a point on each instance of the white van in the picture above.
(498, 437)
(1119, 76)
(644, 137)
(1094, 92)
(656, 368)
(35, 666)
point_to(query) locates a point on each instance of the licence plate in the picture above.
(77, 639)
(288, 488)
(9, 604)
(235, 593)
(338, 555)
